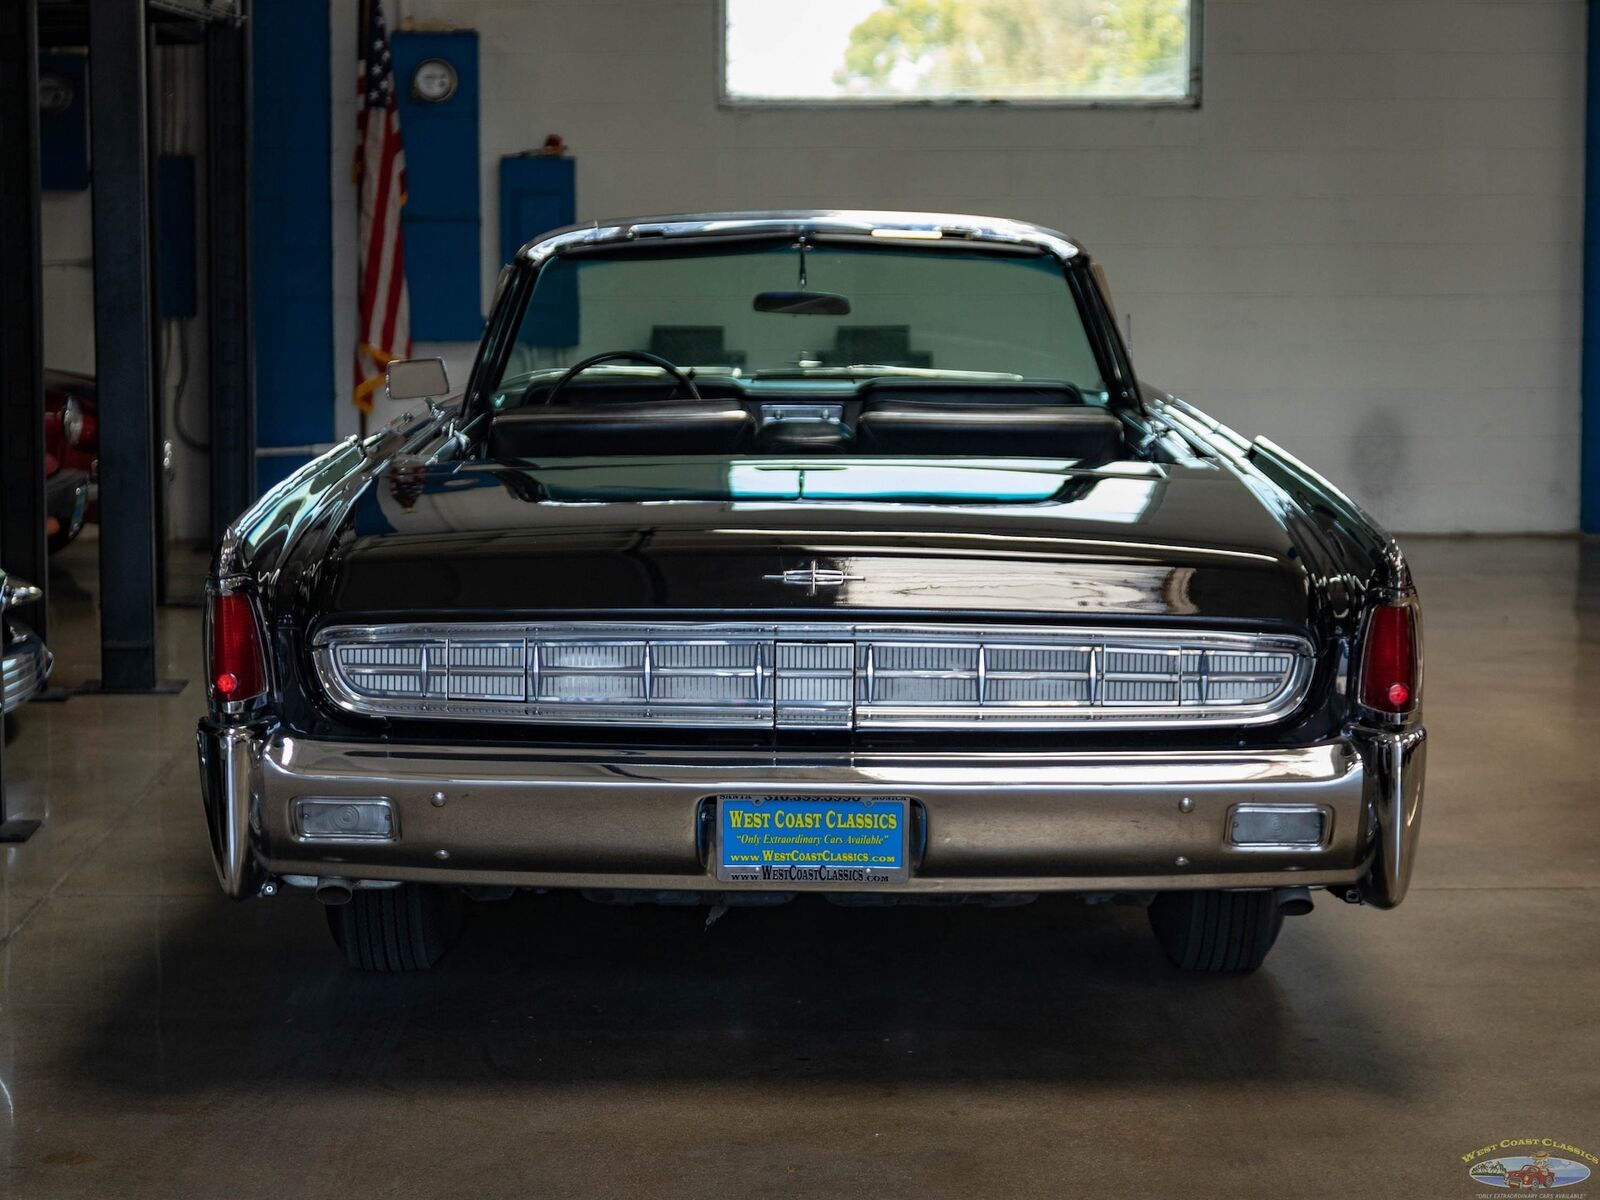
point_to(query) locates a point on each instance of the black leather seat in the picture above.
(1029, 428)
(701, 345)
(665, 427)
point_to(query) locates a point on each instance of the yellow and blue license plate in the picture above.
(812, 839)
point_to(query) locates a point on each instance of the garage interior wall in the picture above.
(1364, 244)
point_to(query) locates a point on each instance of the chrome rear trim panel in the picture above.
(839, 676)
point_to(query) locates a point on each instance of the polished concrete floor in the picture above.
(159, 1041)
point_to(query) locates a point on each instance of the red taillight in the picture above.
(1389, 660)
(237, 667)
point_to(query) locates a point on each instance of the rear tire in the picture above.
(1216, 931)
(408, 928)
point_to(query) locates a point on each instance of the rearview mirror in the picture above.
(417, 379)
(818, 304)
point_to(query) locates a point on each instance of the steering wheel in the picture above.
(644, 356)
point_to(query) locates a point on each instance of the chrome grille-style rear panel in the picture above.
(813, 676)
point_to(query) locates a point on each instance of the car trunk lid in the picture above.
(1028, 539)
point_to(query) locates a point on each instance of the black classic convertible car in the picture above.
(823, 552)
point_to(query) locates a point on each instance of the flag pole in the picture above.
(384, 332)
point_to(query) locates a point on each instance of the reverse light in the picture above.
(1390, 660)
(329, 820)
(236, 662)
(1255, 826)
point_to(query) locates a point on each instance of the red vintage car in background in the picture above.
(1530, 1175)
(71, 454)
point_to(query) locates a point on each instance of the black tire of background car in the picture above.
(1216, 931)
(408, 928)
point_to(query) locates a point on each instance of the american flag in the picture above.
(384, 331)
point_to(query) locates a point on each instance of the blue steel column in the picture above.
(291, 267)
(232, 337)
(1589, 480)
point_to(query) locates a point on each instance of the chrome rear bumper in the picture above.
(27, 666)
(992, 822)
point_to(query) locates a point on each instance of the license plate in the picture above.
(811, 839)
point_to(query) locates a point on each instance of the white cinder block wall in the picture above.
(1365, 243)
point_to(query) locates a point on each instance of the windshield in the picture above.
(792, 311)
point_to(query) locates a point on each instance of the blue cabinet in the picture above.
(63, 123)
(176, 268)
(441, 218)
(538, 193)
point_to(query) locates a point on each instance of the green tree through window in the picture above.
(1070, 50)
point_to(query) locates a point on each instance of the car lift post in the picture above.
(22, 513)
(123, 347)
(22, 484)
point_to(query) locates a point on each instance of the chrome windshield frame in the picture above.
(905, 229)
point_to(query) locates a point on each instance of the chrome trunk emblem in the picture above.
(812, 577)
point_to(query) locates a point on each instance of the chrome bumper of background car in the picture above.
(991, 822)
(67, 500)
(27, 666)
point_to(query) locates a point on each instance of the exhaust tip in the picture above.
(333, 891)
(1293, 901)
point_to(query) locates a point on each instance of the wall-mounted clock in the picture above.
(434, 80)
(56, 92)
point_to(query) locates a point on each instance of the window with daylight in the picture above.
(1066, 52)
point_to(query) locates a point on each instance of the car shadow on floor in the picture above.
(554, 990)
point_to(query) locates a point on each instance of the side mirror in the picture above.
(417, 379)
